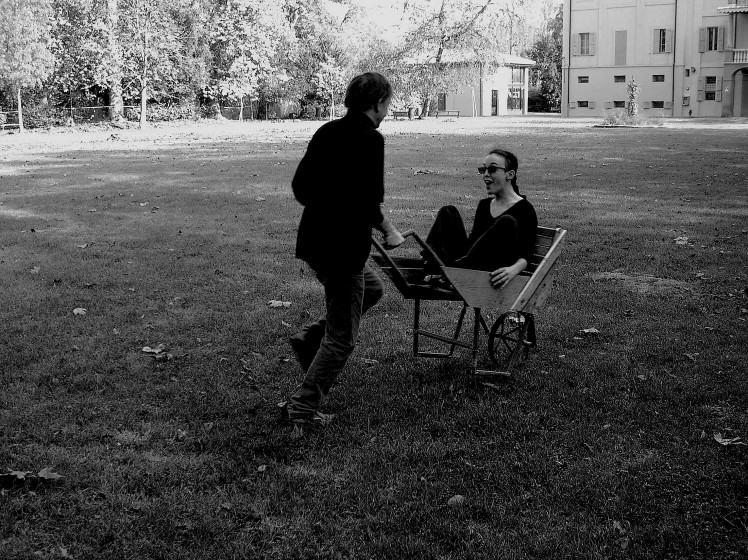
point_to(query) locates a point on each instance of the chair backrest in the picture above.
(543, 240)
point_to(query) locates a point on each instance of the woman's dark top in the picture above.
(526, 218)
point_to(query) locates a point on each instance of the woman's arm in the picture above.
(502, 276)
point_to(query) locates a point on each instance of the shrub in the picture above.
(44, 116)
(158, 112)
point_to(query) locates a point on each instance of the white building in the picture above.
(495, 88)
(689, 57)
(502, 90)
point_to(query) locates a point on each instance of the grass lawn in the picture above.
(601, 447)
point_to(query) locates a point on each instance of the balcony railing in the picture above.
(738, 55)
(733, 6)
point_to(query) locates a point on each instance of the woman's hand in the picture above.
(502, 276)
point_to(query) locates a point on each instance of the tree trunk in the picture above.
(143, 104)
(20, 112)
(116, 104)
(241, 109)
(144, 83)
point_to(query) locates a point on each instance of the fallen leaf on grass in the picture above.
(423, 172)
(728, 441)
(692, 356)
(157, 350)
(47, 474)
(259, 199)
(84, 245)
(65, 554)
(11, 479)
(278, 303)
(456, 501)
(285, 324)
(79, 311)
(681, 240)
(592, 331)
(370, 362)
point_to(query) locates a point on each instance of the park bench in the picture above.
(399, 114)
(512, 334)
(4, 122)
(450, 113)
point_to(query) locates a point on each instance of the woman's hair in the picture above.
(511, 164)
(366, 90)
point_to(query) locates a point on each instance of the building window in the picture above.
(619, 104)
(517, 75)
(620, 48)
(688, 72)
(660, 36)
(710, 88)
(686, 101)
(619, 79)
(584, 43)
(658, 77)
(658, 104)
(584, 104)
(583, 79)
(712, 33)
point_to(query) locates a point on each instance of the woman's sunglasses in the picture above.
(491, 169)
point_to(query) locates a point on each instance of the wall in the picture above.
(639, 18)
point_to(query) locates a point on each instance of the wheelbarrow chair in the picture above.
(512, 334)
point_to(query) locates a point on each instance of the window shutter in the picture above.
(718, 90)
(700, 89)
(575, 45)
(591, 105)
(668, 104)
(721, 39)
(668, 40)
(647, 105)
(702, 39)
(572, 104)
(655, 40)
(593, 43)
(608, 104)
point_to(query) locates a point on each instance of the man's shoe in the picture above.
(316, 419)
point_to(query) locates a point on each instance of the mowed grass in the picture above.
(601, 447)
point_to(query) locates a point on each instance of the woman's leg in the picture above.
(497, 247)
(447, 236)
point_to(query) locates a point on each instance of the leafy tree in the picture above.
(25, 58)
(161, 53)
(248, 40)
(547, 54)
(330, 80)
(448, 40)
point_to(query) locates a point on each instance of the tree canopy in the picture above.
(202, 53)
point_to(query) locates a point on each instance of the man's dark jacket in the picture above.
(340, 182)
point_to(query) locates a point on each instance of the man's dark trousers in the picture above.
(348, 297)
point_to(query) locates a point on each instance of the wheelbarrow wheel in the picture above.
(510, 339)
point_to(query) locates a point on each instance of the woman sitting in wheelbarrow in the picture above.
(502, 240)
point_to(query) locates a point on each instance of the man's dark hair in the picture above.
(366, 90)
